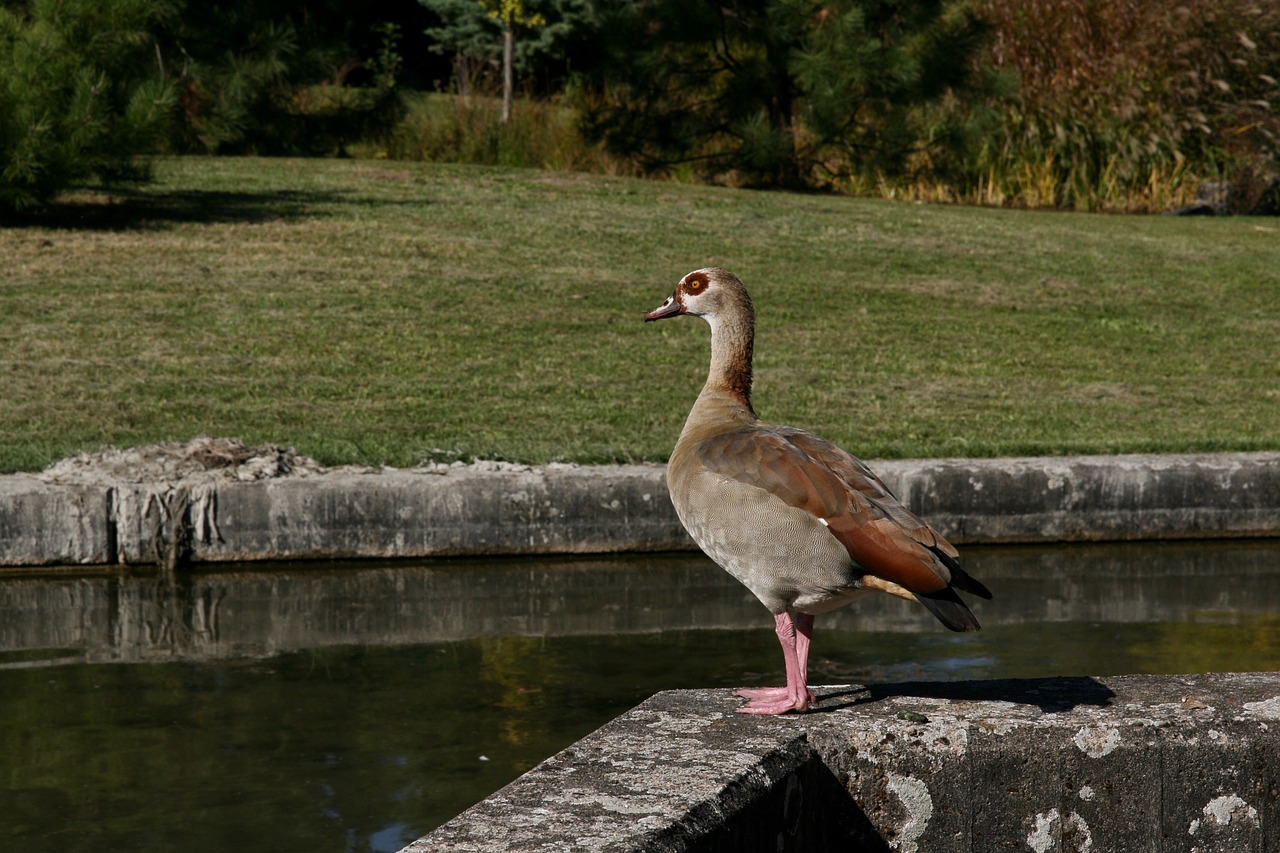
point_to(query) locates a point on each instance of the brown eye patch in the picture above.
(695, 282)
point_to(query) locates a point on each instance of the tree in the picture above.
(511, 14)
(81, 95)
(783, 93)
(523, 31)
(279, 78)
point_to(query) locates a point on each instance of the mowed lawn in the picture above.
(391, 314)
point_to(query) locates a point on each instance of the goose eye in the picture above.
(695, 284)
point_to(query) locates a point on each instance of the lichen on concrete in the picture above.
(1059, 764)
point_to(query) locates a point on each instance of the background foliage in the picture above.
(1118, 100)
(469, 35)
(80, 93)
(271, 78)
(778, 93)
(1072, 104)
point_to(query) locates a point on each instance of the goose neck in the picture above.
(732, 341)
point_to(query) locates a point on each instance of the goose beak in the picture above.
(670, 308)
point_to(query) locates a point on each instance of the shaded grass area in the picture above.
(389, 313)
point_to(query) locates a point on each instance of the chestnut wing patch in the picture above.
(808, 473)
(854, 471)
(857, 475)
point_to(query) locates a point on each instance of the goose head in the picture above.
(707, 293)
(718, 297)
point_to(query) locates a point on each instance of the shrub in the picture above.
(457, 129)
(1127, 104)
(252, 80)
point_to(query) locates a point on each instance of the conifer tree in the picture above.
(270, 77)
(81, 95)
(781, 93)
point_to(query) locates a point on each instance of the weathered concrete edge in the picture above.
(1124, 763)
(504, 509)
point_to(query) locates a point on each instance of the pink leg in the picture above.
(794, 638)
(804, 634)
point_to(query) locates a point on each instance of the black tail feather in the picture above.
(965, 582)
(960, 579)
(949, 609)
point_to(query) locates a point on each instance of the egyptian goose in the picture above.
(804, 525)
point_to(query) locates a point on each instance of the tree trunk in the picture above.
(462, 75)
(508, 81)
(781, 106)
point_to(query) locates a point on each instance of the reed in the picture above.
(1128, 106)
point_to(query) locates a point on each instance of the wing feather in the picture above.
(880, 535)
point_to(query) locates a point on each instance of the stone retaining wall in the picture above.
(1133, 763)
(504, 509)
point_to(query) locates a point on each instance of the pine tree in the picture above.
(783, 93)
(81, 95)
(265, 77)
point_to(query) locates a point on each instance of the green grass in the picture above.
(390, 313)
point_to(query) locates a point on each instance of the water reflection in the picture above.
(250, 611)
(355, 707)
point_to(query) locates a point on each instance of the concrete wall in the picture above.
(504, 509)
(1136, 763)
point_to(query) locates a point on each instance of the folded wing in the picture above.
(880, 535)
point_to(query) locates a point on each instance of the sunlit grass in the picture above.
(391, 313)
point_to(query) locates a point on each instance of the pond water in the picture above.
(354, 707)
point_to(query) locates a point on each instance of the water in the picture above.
(354, 707)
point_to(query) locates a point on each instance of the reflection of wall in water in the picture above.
(228, 614)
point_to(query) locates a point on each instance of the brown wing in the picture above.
(806, 472)
(855, 473)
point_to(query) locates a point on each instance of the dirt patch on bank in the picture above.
(203, 459)
(207, 460)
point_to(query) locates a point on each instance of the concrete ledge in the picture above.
(505, 509)
(1093, 497)
(43, 525)
(1064, 764)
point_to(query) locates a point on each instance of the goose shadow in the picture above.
(1053, 695)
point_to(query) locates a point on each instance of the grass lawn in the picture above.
(389, 313)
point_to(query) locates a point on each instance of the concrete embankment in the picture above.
(1063, 764)
(491, 508)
